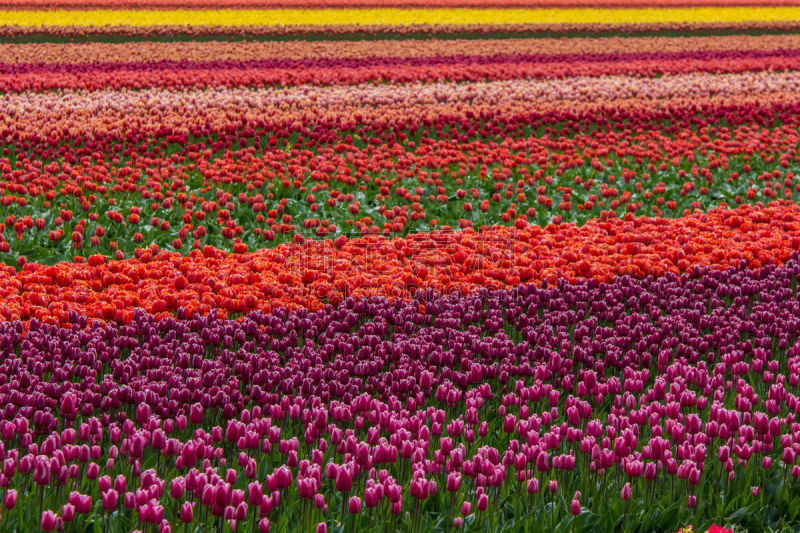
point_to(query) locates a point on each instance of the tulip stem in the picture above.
(624, 517)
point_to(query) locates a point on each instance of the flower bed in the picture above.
(316, 265)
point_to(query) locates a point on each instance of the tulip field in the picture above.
(381, 266)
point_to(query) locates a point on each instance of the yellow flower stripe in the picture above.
(294, 17)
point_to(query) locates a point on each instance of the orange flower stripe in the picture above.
(319, 272)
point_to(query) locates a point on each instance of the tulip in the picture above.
(355, 505)
(177, 487)
(196, 414)
(453, 482)
(254, 493)
(110, 499)
(575, 507)
(48, 521)
(187, 512)
(483, 502)
(10, 499)
(104, 483)
(67, 513)
(344, 481)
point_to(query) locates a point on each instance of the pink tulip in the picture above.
(67, 512)
(575, 507)
(10, 499)
(344, 481)
(176, 488)
(187, 512)
(254, 493)
(453, 482)
(120, 484)
(196, 414)
(110, 499)
(104, 483)
(48, 521)
(355, 505)
(483, 502)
